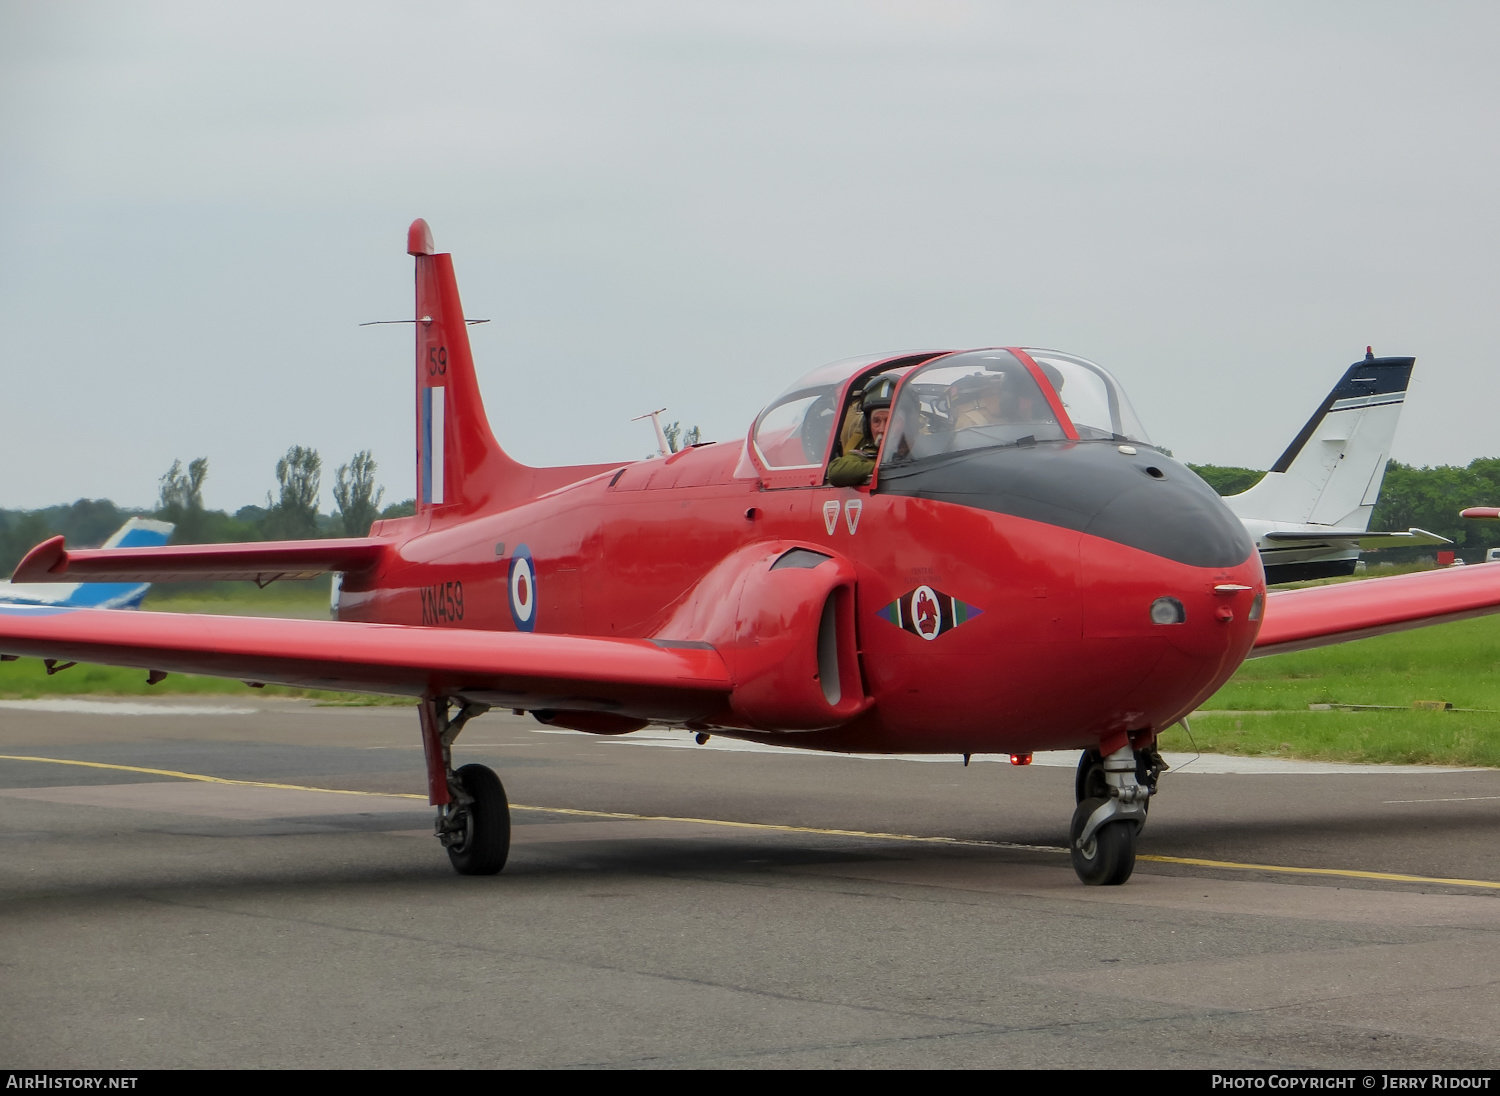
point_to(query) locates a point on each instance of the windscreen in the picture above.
(969, 401)
(1092, 398)
(794, 431)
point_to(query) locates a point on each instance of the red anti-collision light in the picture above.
(1020, 759)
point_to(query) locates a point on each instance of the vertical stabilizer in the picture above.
(460, 465)
(1332, 471)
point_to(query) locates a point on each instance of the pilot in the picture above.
(858, 462)
(975, 400)
(1026, 404)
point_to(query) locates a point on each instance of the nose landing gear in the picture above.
(1113, 794)
(473, 815)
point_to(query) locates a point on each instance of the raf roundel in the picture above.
(522, 590)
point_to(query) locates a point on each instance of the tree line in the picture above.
(1425, 498)
(290, 512)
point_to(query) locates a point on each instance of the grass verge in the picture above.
(1388, 738)
(27, 679)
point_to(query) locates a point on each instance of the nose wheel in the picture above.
(1113, 793)
(1106, 857)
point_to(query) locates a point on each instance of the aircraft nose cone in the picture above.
(1181, 629)
(1161, 507)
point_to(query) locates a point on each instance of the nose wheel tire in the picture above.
(483, 842)
(1108, 857)
(1089, 782)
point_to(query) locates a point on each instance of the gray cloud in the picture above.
(691, 204)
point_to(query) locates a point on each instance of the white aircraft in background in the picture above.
(1310, 514)
(135, 533)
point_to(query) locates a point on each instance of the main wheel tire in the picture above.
(1109, 856)
(486, 841)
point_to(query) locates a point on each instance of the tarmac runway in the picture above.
(671, 905)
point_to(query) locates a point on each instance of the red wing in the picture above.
(51, 561)
(631, 677)
(1296, 620)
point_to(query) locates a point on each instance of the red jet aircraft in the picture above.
(1025, 571)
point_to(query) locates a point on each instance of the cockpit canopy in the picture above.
(987, 398)
(950, 402)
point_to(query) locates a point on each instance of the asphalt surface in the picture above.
(151, 920)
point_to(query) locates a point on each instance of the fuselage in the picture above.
(1002, 601)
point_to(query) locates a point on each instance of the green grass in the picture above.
(1263, 710)
(1453, 662)
(307, 599)
(1405, 738)
(27, 678)
(1377, 570)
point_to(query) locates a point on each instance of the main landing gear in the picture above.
(473, 816)
(1113, 795)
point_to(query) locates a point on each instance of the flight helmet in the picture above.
(877, 397)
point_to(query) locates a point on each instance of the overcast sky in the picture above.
(692, 204)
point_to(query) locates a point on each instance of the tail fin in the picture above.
(1332, 471)
(461, 468)
(140, 533)
(459, 463)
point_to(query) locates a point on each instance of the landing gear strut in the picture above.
(473, 816)
(1113, 793)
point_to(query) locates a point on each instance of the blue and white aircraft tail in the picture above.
(1310, 514)
(135, 533)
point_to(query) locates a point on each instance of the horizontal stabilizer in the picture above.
(1318, 616)
(52, 561)
(1365, 541)
(628, 677)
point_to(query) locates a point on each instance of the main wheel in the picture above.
(1107, 858)
(486, 822)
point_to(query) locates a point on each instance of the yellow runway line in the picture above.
(1347, 873)
(1190, 861)
(547, 810)
(201, 777)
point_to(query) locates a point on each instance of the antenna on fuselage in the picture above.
(661, 438)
